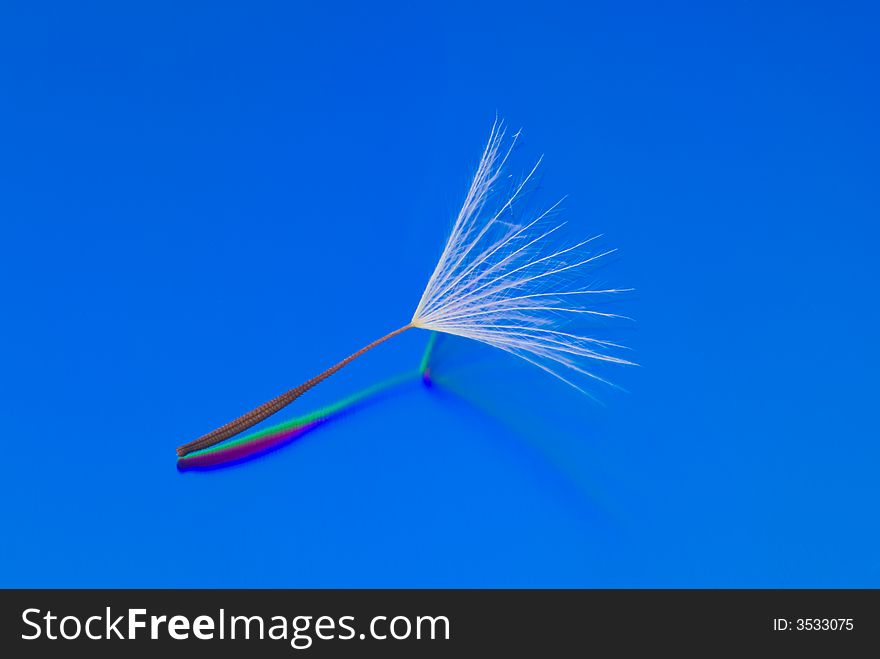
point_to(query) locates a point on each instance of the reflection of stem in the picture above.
(426, 357)
(269, 408)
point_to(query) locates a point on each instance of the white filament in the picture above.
(500, 281)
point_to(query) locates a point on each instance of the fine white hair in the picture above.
(507, 282)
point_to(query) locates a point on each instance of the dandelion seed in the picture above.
(500, 281)
(266, 439)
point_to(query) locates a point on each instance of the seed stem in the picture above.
(269, 408)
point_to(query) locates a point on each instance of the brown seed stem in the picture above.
(269, 408)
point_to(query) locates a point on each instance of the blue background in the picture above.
(203, 205)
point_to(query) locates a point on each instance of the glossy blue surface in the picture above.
(204, 205)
